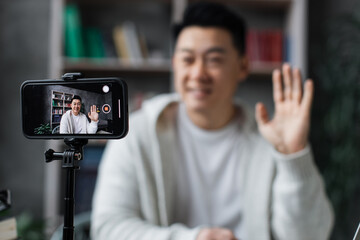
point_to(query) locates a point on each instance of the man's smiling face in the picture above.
(207, 68)
(76, 106)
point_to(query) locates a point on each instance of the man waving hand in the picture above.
(194, 165)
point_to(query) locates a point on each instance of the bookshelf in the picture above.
(289, 15)
(153, 74)
(60, 103)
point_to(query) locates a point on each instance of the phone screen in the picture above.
(85, 108)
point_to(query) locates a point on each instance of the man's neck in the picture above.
(212, 120)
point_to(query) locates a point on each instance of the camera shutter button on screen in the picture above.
(106, 108)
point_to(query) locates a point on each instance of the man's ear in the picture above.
(243, 68)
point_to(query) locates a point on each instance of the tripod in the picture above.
(70, 162)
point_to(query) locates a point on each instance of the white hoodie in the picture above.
(284, 196)
(67, 124)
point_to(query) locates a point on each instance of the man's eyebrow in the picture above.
(184, 50)
(210, 50)
(215, 50)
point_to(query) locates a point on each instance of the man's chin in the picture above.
(198, 106)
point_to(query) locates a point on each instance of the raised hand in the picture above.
(93, 115)
(289, 129)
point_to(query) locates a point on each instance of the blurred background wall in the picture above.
(334, 64)
(24, 54)
(24, 35)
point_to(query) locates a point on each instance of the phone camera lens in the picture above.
(106, 89)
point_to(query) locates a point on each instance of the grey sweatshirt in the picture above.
(284, 196)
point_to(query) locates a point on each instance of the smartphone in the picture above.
(92, 108)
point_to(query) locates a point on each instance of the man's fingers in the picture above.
(277, 86)
(308, 95)
(223, 234)
(92, 110)
(216, 234)
(261, 114)
(287, 81)
(297, 86)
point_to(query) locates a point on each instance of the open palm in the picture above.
(289, 129)
(93, 115)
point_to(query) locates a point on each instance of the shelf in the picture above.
(117, 65)
(263, 68)
(145, 66)
(258, 4)
(56, 110)
(111, 2)
(272, 4)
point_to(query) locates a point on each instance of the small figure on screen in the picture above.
(75, 122)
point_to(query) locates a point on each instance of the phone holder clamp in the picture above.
(72, 76)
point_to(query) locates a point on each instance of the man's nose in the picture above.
(198, 71)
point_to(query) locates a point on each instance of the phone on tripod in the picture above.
(91, 108)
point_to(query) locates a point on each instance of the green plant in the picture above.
(30, 228)
(44, 128)
(336, 115)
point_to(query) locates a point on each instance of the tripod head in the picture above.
(71, 156)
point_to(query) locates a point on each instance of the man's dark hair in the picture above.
(76, 97)
(214, 15)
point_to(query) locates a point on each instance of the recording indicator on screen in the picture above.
(106, 108)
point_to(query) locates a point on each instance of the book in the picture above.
(265, 46)
(130, 43)
(109, 43)
(119, 42)
(94, 43)
(74, 46)
(8, 229)
(277, 50)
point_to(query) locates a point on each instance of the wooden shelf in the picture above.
(273, 4)
(145, 66)
(263, 68)
(112, 2)
(258, 4)
(117, 65)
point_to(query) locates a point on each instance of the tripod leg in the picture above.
(68, 230)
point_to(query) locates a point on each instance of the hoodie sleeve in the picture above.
(91, 126)
(65, 124)
(300, 206)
